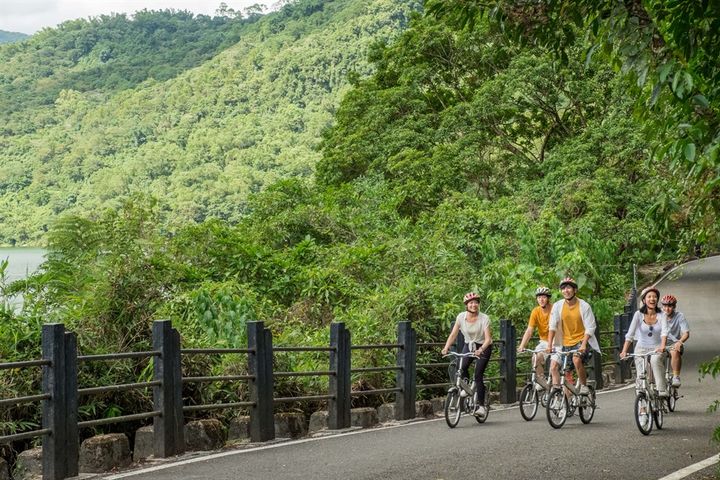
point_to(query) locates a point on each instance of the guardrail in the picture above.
(60, 391)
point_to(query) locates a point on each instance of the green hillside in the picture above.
(98, 110)
(9, 37)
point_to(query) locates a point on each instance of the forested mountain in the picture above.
(197, 111)
(8, 37)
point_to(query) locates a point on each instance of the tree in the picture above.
(668, 49)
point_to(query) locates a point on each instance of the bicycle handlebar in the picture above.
(455, 354)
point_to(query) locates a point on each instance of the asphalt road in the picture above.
(506, 446)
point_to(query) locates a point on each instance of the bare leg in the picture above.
(582, 375)
(675, 362)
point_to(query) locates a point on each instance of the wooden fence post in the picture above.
(405, 378)
(262, 422)
(168, 428)
(625, 320)
(508, 367)
(72, 449)
(54, 383)
(339, 385)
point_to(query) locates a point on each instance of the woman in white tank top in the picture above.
(475, 327)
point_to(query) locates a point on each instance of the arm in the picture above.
(554, 320)
(588, 319)
(525, 338)
(626, 347)
(488, 340)
(451, 338)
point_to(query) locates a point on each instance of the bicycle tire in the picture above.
(672, 399)
(557, 409)
(658, 414)
(487, 406)
(587, 406)
(528, 402)
(453, 408)
(644, 421)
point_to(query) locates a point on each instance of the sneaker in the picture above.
(663, 394)
(480, 411)
(675, 381)
(539, 387)
(584, 390)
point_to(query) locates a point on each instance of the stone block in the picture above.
(290, 425)
(438, 404)
(103, 453)
(144, 446)
(4, 469)
(239, 428)
(386, 412)
(363, 417)
(423, 409)
(28, 464)
(318, 421)
(203, 435)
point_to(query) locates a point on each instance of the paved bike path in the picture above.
(506, 446)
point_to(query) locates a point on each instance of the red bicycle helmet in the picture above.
(669, 300)
(568, 281)
(470, 296)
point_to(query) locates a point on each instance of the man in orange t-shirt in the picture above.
(540, 319)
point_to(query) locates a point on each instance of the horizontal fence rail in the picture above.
(59, 363)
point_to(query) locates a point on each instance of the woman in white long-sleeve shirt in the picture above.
(649, 330)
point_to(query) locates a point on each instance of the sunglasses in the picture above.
(651, 330)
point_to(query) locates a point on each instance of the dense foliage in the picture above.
(96, 110)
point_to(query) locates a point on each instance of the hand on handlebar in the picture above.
(445, 350)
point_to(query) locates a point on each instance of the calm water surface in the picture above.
(21, 263)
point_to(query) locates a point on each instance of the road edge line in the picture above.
(690, 469)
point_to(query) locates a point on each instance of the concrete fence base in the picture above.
(104, 452)
(203, 435)
(290, 425)
(144, 446)
(239, 428)
(363, 417)
(318, 421)
(28, 465)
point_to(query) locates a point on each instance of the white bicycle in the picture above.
(649, 405)
(531, 395)
(461, 396)
(561, 406)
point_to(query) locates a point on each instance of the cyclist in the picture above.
(649, 330)
(540, 319)
(572, 326)
(475, 327)
(678, 333)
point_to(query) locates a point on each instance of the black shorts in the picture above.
(585, 357)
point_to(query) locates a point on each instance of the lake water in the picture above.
(21, 263)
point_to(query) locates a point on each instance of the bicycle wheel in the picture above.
(672, 399)
(528, 402)
(587, 406)
(658, 414)
(453, 408)
(557, 409)
(643, 414)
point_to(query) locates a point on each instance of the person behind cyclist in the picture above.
(572, 327)
(649, 330)
(475, 327)
(540, 319)
(678, 333)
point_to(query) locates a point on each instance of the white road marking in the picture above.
(690, 469)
